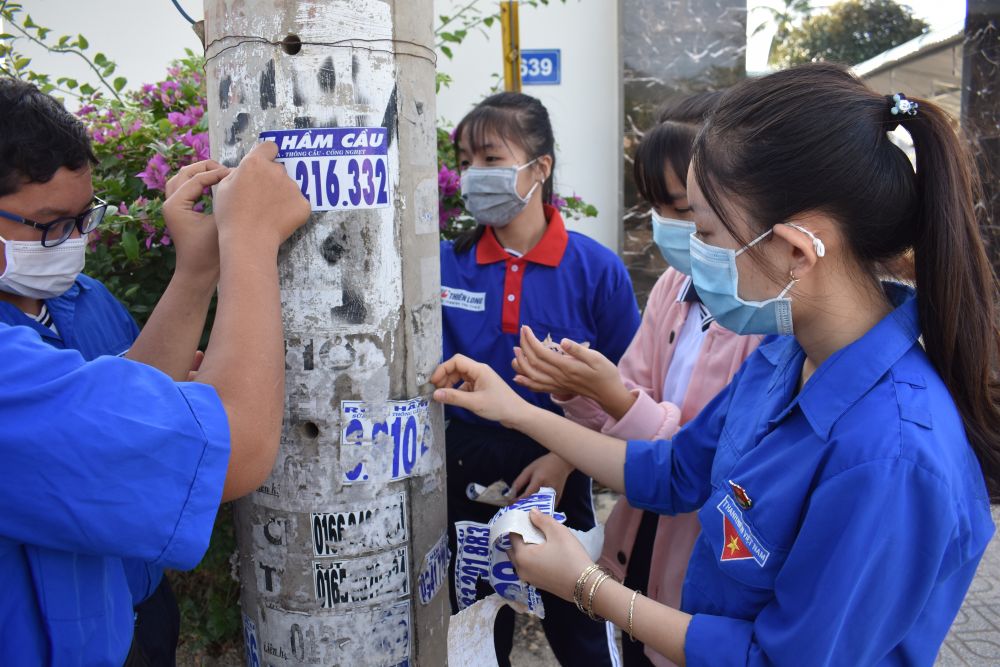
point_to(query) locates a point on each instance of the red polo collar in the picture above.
(548, 252)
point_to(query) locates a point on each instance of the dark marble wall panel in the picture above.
(981, 108)
(669, 48)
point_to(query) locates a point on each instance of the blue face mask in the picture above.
(672, 238)
(713, 271)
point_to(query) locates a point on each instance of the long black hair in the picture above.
(814, 138)
(518, 119)
(671, 140)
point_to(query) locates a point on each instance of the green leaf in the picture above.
(445, 50)
(87, 89)
(6, 35)
(82, 42)
(21, 63)
(100, 60)
(131, 291)
(28, 23)
(488, 21)
(63, 41)
(120, 83)
(130, 245)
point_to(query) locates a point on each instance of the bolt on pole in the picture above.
(343, 551)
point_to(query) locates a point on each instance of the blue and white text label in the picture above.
(337, 168)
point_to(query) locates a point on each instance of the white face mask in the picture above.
(42, 273)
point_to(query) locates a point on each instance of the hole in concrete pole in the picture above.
(291, 45)
(310, 430)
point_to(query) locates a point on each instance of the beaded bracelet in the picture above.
(593, 591)
(581, 582)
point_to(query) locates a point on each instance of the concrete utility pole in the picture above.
(341, 558)
(981, 108)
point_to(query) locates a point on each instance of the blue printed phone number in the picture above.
(336, 169)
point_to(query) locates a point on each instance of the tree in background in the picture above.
(784, 20)
(850, 32)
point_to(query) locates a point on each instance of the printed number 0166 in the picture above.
(362, 174)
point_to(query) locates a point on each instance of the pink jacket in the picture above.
(643, 369)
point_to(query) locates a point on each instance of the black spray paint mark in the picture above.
(326, 76)
(307, 356)
(241, 123)
(224, 87)
(389, 120)
(296, 92)
(303, 122)
(268, 97)
(332, 251)
(355, 67)
(353, 309)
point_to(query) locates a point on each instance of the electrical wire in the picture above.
(183, 13)
(351, 42)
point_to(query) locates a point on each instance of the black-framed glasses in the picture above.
(60, 229)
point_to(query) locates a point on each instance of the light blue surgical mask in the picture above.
(713, 271)
(672, 237)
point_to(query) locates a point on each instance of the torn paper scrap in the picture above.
(498, 493)
(470, 634)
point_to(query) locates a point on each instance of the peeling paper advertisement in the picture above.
(434, 571)
(361, 528)
(482, 551)
(382, 443)
(291, 639)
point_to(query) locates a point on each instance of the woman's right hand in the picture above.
(482, 391)
(577, 371)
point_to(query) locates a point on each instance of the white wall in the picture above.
(140, 36)
(585, 108)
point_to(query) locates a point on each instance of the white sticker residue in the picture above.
(470, 634)
(337, 168)
(434, 571)
(370, 430)
(361, 581)
(361, 528)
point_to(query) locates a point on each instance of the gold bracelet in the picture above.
(593, 591)
(631, 608)
(581, 582)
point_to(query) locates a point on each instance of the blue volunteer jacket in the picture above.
(841, 525)
(91, 321)
(110, 466)
(567, 286)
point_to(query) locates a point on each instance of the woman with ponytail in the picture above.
(844, 477)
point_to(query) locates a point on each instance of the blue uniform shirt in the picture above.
(73, 504)
(91, 321)
(841, 525)
(567, 286)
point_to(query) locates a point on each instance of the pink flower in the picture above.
(446, 215)
(122, 209)
(448, 182)
(155, 173)
(165, 239)
(136, 126)
(86, 110)
(199, 142)
(558, 201)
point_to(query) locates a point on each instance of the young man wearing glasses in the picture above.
(115, 471)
